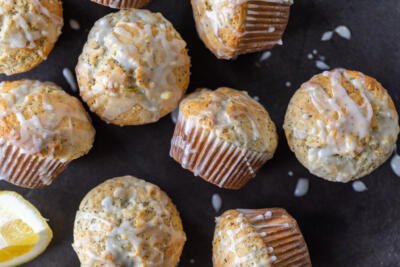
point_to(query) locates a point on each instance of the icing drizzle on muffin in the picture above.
(26, 29)
(39, 117)
(131, 59)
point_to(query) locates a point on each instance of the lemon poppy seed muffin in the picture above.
(42, 129)
(134, 68)
(259, 238)
(126, 221)
(341, 125)
(123, 3)
(233, 27)
(29, 30)
(224, 136)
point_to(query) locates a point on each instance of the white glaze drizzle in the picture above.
(24, 29)
(352, 119)
(129, 41)
(224, 120)
(231, 245)
(36, 132)
(216, 202)
(125, 233)
(395, 164)
(343, 122)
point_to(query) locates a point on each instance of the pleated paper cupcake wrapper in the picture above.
(282, 236)
(27, 170)
(122, 4)
(265, 24)
(212, 158)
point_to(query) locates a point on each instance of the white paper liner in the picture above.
(212, 158)
(264, 26)
(27, 170)
(282, 236)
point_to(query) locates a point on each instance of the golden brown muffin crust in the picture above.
(341, 125)
(40, 118)
(126, 221)
(234, 116)
(134, 67)
(30, 29)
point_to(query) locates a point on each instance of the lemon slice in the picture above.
(24, 233)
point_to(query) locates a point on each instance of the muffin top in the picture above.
(126, 221)
(233, 116)
(237, 243)
(341, 124)
(134, 67)
(29, 30)
(40, 118)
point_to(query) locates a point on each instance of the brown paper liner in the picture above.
(122, 4)
(212, 158)
(26, 170)
(282, 236)
(262, 16)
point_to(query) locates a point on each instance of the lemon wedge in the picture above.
(24, 233)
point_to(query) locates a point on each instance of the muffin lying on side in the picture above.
(42, 129)
(134, 68)
(29, 30)
(123, 3)
(224, 136)
(263, 237)
(341, 125)
(126, 221)
(230, 27)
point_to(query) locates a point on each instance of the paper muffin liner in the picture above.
(27, 170)
(212, 158)
(122, 4)
(282, 236)
(264, 26)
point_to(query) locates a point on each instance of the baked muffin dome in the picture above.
(42, 129)
(224, 136)
(134, 68)
(29, 30)
(263, 237)
(341, 125)
(126, 221)
(230, 28)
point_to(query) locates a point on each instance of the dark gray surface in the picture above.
(341, 227)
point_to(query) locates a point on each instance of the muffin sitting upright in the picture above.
(29, 30)
(134, 68)
(123, 3)
(263, 237)
(42, 129)
(224, 136)
(341, 125)
(233, 27)
(128, 222)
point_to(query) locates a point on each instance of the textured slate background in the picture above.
(341, 227)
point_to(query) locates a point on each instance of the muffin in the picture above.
(126, 221)
(263, 237)
(341, 125)
(134, 68)
(223, 136)
(29, 30)
(42, 129)
(230, 28)
(123, 3)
